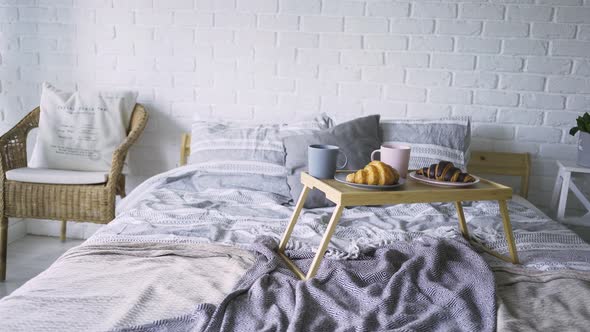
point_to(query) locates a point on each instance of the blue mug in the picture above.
(322, 159)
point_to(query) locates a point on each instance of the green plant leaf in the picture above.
(574, 130)
(584, 123)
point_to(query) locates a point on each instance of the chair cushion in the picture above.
(55, 176)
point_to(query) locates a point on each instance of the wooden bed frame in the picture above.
(481, 162)
(503, 163)
(185, 148)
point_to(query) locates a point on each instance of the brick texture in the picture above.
(520, 69)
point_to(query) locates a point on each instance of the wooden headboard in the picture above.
(482, 162)
(503, 163)
(185, 148)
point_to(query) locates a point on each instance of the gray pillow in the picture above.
(356, 138)
(431, 140)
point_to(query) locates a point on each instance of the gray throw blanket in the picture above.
(423, 285)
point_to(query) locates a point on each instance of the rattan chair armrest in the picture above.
(13, 144)
(138, 122)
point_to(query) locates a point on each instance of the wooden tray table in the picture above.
(411, 192)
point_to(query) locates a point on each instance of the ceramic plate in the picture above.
(423, 179)
(341, 177)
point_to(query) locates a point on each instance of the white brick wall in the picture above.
(520, 68)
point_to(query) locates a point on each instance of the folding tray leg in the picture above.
(319, 256)
(508, 231)
(462, 222)
(294, 218)
(317, 260)
(289, 230)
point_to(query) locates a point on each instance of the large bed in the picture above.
(182, 256)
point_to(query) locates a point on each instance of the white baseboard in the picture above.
(75, 230)
(17, 229)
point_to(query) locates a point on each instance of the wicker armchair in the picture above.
(84, 203)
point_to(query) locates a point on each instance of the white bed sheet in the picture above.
(170, 208)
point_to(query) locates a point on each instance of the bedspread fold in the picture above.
(102, 287)
(424, 285)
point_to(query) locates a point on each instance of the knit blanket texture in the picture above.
(425, 285)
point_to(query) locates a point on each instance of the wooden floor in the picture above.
(29, 256)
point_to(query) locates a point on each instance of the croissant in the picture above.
(445, 171)
(375, 173)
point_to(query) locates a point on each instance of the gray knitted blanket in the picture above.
(425, 285)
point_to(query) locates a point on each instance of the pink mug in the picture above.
(396, 156)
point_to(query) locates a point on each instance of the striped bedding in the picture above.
(164, 205)
(250, 156)
(167, 219)
(431, 140)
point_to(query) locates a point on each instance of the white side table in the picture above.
(564, 177)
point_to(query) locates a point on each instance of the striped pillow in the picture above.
(252, 154)
(432, 140)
